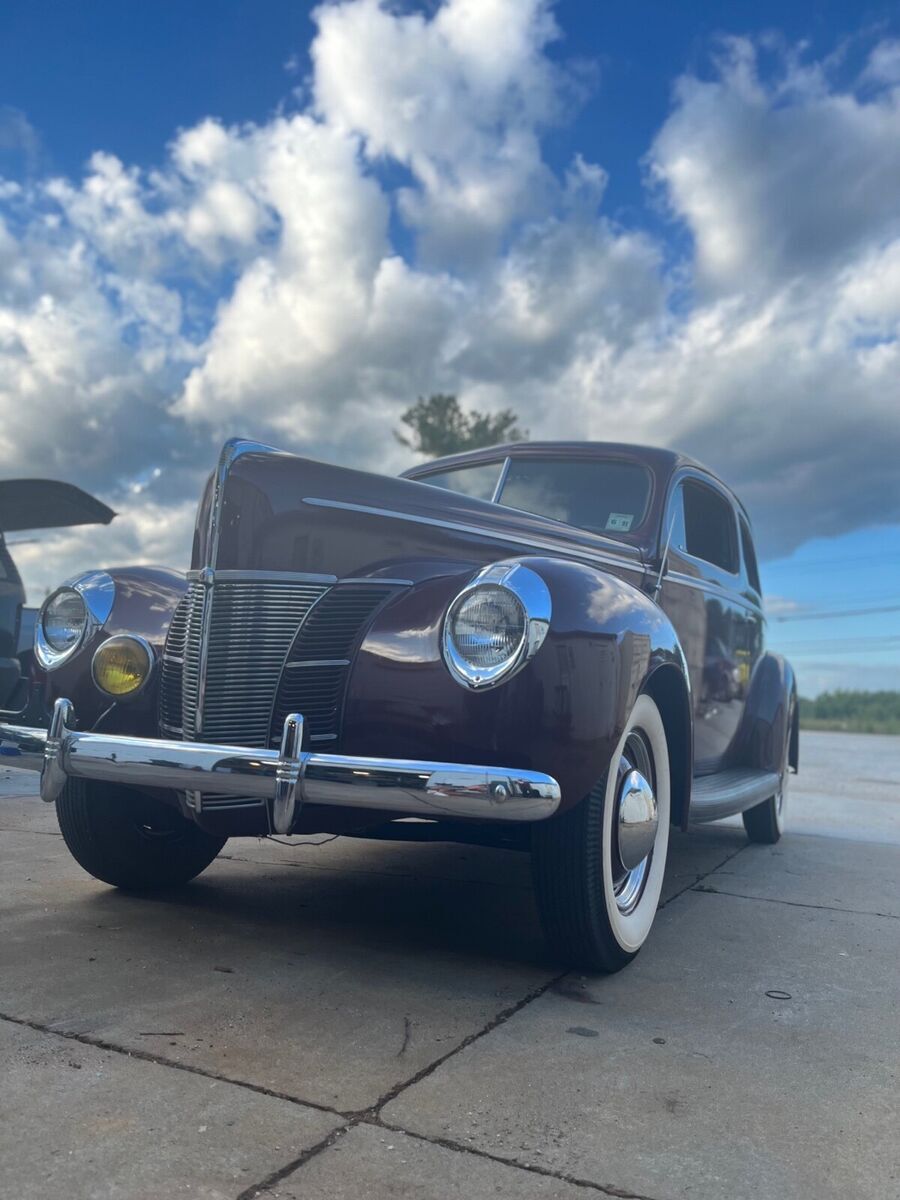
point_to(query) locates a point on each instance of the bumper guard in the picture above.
(288, 777)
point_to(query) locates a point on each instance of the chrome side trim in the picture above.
(370, 579)
(579, 552)
(288, 777)
(713, 589)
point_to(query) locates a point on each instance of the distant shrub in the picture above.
(853, 712)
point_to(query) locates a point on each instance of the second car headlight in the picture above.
(70, 616)
(64, 620)
(496, 624)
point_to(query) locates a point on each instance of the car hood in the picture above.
(265, 510)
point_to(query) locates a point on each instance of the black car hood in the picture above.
(47, 504)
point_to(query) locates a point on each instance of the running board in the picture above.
(730, 792)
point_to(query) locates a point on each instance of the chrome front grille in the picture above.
(248, 630)
(260, 654)
(316, 669)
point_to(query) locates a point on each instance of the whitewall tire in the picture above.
(599, 867)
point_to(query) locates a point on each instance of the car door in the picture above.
(702, 595)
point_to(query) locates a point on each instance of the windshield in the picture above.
(601, 495)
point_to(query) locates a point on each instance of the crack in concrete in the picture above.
(371, 1115)
(43, 832)
(607, 1189)
(689, 887)
(160, 1060)
(709, 890)
(259, 1189)
(372, 1112)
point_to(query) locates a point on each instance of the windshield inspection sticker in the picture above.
(620, 522)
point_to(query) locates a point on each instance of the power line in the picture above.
(875, 643)
(824, 615)
(814, 564)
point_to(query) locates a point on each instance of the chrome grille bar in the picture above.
(250, 630)
(240, 649)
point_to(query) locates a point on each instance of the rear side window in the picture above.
(750, 564)
(709, 526)
(477, 482)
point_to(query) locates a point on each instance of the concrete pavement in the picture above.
(355, 1019)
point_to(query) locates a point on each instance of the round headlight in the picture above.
(71, 616)
(496, 624)
(487, 627)
(122, 665)
(64, 620)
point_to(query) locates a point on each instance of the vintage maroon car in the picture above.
(557, 647)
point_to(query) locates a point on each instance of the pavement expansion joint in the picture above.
(260, 1188)
(500, 1018)
(371, 1115)
(689, 887)
(43, 832)
(709, 890)
(161, 1061)
(606, 1189)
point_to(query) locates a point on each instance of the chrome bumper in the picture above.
(288, 778)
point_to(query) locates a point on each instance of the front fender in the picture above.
(563, 713)
(144, 602)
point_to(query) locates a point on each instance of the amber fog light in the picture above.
(122, 665)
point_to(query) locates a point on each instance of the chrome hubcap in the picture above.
(635, 824)
(638, 819)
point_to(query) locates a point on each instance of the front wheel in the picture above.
(598, 867)
(129, 839)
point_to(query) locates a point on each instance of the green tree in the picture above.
(437, 425)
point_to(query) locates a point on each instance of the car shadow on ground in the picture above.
(436, 898)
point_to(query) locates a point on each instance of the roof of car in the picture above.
(660, 460)
(653, 456)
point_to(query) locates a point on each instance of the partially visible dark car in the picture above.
(31, 504)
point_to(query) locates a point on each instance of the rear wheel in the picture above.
(764, 822)
(129, 839)
(598, 868)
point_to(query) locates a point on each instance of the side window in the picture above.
(674, 532)
(709, 526)
(750, 564)
(478, 482)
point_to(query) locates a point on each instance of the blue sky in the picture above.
(642, 134)
(124, 77)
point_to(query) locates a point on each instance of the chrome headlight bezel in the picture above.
(98, 592)
(531, 594)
